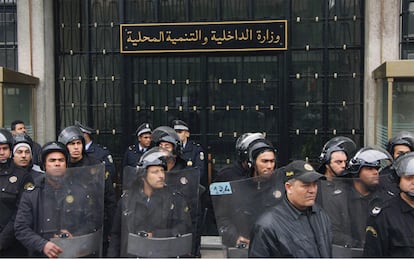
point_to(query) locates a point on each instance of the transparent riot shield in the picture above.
(348, 211)
(157, 224)
(73, 211)
(237, 205)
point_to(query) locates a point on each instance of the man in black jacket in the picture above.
(389, 230)
(13, 181)
(296, 227)
(63, 204)
(31, 229)
(148, 206)
(73, 138)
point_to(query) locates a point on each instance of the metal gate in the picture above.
(300, 97)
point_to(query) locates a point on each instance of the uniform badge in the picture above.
(69, 199)
(308, 167)
(29, 186)
(110, 159)
(372, 230)
(183, 180)
(189, 163)
(107, 173)
(338, 191)
(13, 179)
(172, 206)
(375, 211)
(277, 194)
(201, 156)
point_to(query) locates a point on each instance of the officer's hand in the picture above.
(52, 250)
(150, 234)
(242, 240)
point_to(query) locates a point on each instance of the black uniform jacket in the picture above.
(44, 211)
(231, 172)
(284, 231)
(390, 230)
(13, 181)
(132, 155)
(102, 154)
(193, 154)
(164, 214)
(109, 193)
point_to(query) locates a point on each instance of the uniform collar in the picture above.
(294, 212)
(87, 146)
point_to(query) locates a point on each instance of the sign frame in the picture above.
(229, 36)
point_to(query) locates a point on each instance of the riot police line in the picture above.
(159, 216)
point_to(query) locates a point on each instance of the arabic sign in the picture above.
(204, 36)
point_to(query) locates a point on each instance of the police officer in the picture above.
(149, 208)
(361, 192)
(333, 162)
(192, 152)
(166, 137)
(235, 214)
(141, 145)
(239, 169)
(60, 205)
(13, 181)
(334, 156)
(22, 155)
(97, 151)
(401, 143)
(72, 137)
(18, 126)
(295, 227)
(31, 226)
(390, 229)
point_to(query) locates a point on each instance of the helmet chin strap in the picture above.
(329, 165)
(410, 195)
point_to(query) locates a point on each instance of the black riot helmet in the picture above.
(404, 164)
(53, 146)
(256, 148)
(369, 157)
(243, 142)
(167, 134)
(22, 138)
(155, 156)
(339, 143)
(6, 137)
(70, 134)
(402, 138)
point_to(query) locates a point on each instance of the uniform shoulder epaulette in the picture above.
(376, 210)
(29, 186)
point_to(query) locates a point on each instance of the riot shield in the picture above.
(348, 211)
(237, 205)
(159, 224)
(73, 211)
(128, 176)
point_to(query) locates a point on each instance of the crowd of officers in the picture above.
(355, 199)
